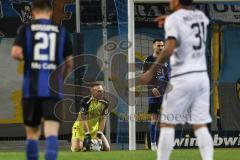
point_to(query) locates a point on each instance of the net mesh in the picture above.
(220, 13)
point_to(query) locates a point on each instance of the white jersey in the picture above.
(189, 28)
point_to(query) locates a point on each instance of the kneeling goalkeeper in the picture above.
(91, 121)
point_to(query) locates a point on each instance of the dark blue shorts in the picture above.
(154, 108)
(36, 109)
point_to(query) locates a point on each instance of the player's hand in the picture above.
(155, 92)
(96, 145)
(99, 144)
(160, 20)
(99, 134)
(87, 142)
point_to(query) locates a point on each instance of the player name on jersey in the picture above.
(44, 27)
(193, 17)
(46, 66)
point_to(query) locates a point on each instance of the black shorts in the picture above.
(154, 108)
(36, 109)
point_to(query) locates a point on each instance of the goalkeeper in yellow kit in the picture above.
(91, 121)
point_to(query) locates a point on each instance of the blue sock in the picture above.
(32, 149)
(51, 150)
(152, 132)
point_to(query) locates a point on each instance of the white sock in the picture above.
(205, 143)
(165, 144)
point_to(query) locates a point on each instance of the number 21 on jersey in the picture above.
(46, 42)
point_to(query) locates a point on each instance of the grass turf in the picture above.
(179, 154)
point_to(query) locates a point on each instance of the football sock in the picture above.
(152, 129)
(165, 143)
(205, 143)
(51, 150)
(32, 149)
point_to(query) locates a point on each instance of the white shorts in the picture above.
(188, 100)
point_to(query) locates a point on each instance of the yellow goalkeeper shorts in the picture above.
(79, 133)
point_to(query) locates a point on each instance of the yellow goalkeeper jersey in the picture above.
(93, 109)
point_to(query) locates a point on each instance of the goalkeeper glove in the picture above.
(87, 142)
(99, 134)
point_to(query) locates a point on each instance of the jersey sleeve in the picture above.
(83, 106)
(20, 38)
(146, 65)
(171, 28)
(105, 110)
(68, 46)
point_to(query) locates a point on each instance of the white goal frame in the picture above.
(131, 61)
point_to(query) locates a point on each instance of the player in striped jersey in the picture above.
(43, 46)
(156, 88)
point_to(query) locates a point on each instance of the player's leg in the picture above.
(200, 116)
(174, 107)
(153, 110)
(51, 134)
(33, 134)
(32, 119)
(76, 143)
(153, 131)
(106, 146)
(205, 141)
(165, 141)
(51, 127)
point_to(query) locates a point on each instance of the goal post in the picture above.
(131, 76)
(131, 59)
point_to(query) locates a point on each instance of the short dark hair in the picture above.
(186, 2)
(157, 40)
(42, 4)
(93, 84)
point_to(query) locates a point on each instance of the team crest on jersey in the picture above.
(238, 89)
(24, 10)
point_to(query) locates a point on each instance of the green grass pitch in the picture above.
(178, 154)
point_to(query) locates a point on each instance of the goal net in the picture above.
(135, 24)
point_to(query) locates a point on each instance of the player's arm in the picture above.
(148, 74)
(85, 123)
(17, 52)
(83, 114)
(68, 55)
(84, 118)
(171, 35)
(146, 66)
(160, 20)
(102, 118)
(87, 136)
(170, 46)
(19, 43)
(156, 92)
(102, 123)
